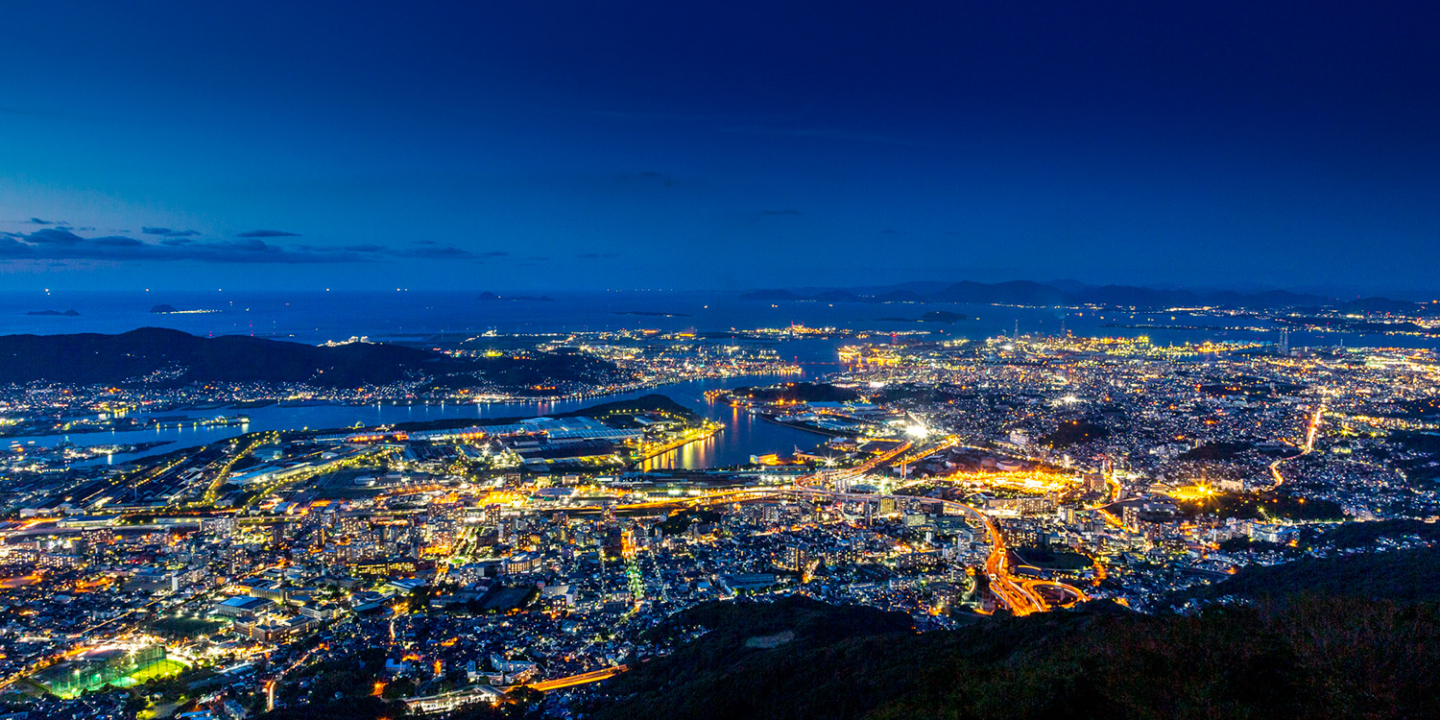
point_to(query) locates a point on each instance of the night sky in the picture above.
(613, 144)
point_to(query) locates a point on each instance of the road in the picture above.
(273, 683)
(1021, 596)
(581, 679)
(1311, 428)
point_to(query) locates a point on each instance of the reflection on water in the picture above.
(698, 454)
(744, 435)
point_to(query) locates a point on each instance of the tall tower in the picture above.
(1284, 344)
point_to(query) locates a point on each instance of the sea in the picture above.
(402, 315)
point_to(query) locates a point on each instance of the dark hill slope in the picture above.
(1412, 575)
(1018, 292)
(113, 359)
(1309, 657)
(652, 403)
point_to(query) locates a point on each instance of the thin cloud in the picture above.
(117, 242)
(167, 232)
(38, 221)
(430, 250)
(433, 253)
(342, 248)
(54, 244)
(53, 236)
(267, 234)
(598, 256)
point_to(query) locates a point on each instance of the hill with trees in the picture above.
(1303, 656)
(1401, 575)
(174, 358)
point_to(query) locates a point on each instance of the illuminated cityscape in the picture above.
(460, 559)
(719, 361)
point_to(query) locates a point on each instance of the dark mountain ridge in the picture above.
(183, 358)
(1067, 293)
(1302, 656)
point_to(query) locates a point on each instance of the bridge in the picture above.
(721, 497)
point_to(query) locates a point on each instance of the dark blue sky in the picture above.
(631, 145)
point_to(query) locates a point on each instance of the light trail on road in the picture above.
(1311, 428)
(581, 679)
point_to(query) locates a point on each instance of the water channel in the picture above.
(744, 434)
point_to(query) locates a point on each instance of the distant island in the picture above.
(492, 297)
(183, 358)
(934, 316)
(54, 313)
(173, 358)
(1074, 294)
(652, 314)
(172, 310)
